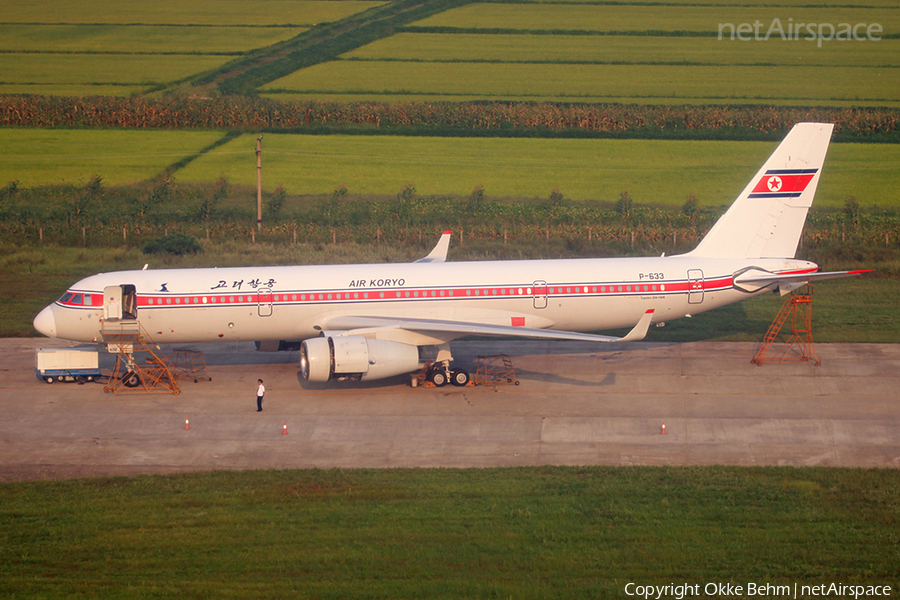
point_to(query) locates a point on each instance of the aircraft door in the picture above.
(539, 294)
(695, 286)
(119, 302)
(264, 304)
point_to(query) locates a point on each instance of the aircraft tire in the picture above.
(438, 377)
(459, 377)
(131, 379)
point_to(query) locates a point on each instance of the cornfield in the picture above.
(437, 118)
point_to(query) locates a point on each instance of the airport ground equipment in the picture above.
(66, 364)
(156, 374)
(191, 364)
(799, 346)
(495, 369)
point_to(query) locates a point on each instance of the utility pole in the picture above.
(259, 183)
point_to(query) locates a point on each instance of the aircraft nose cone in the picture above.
(45, 322)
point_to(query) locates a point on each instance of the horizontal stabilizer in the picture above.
(754, 280)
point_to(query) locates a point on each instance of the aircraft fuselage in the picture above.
(269, 304)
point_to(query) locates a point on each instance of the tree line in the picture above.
(94, 215)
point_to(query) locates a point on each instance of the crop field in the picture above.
(120, 48)
(631, 52)
(528, 48)
(643, 18)
(160, 40)
(677, 84)
(117, 74)
(38, 157)
(261, 13)
(653, 172)
(635, 52)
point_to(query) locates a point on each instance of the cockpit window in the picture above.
(73, 298)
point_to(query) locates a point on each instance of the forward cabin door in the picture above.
(112, 303)
(119, 302)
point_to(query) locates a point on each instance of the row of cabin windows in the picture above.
(87, 300)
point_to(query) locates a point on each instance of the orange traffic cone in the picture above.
(187, 424)
(663, 430)
(284, 430)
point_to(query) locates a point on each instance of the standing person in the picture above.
(260, 392)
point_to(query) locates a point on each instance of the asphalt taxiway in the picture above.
(577, 404)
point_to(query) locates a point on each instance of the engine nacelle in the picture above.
(355, 357)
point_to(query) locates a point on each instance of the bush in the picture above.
(176, 244)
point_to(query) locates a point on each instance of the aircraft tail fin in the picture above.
(766, 220)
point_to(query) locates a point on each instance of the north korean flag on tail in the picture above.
(783, 183)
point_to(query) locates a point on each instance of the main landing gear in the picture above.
(440, 373)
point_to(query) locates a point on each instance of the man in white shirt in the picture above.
(260, 392)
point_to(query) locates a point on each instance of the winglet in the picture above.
(639, 331)
(439, 254)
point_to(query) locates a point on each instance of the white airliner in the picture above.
(380, 320)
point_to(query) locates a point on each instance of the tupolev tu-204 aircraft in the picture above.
(375, 321)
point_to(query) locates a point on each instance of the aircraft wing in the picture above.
(754, 279)
(364, 325)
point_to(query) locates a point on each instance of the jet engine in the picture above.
(355, 357)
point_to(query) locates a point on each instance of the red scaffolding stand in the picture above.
(799, 347)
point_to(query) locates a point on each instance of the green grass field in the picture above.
(653, 172)
(489, 533)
